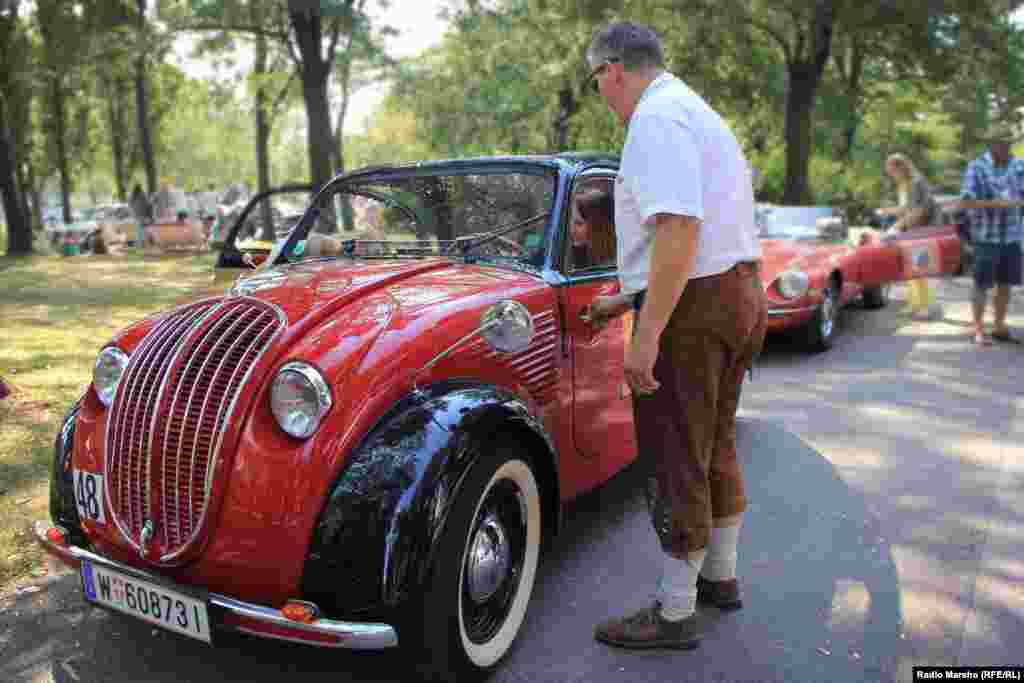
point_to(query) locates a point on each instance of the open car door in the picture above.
(251, 233)
(928, 251)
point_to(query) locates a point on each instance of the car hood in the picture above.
(782, 255)
(308, 288)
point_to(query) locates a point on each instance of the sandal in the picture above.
(1005, 338)
(981, 339)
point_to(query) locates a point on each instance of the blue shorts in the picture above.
(996, 264)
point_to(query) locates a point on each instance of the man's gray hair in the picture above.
(638, 47)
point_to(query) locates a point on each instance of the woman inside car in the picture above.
(593, 230)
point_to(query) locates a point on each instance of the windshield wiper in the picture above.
(466, 243)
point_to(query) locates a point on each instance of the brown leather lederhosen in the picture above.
(686, 429)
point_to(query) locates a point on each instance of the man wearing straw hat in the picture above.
(993, 192)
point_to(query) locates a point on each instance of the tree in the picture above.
(13, 86)
(311, 32)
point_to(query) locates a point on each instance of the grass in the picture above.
(55, 315)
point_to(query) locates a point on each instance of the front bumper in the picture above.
(265, 622)
(780, 318)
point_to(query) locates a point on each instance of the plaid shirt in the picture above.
(983, 181)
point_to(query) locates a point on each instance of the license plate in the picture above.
(146, 600)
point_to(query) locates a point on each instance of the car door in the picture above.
(603, 431)
(928, 251)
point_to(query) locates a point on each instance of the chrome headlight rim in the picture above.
(508, 326)
(793, 284)
(321, 390)
(105, 388)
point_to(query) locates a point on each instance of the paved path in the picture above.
(886, 529)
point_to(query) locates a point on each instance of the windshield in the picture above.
(500, 215)
(798, 223)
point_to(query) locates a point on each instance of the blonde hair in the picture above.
(904, 162)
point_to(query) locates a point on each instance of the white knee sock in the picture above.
(677, 590)
(720, 563)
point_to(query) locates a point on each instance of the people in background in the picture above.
(993, 193)
(916, 207)
(143, 213)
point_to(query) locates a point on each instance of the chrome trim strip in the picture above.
(282, 320)
(776, 312)
(353, 635)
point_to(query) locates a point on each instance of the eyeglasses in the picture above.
(592, 78)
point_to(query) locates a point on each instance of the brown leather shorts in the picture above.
(686, 430)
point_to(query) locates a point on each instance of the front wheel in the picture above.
(484, 570)
(877, 297)
(820, 330)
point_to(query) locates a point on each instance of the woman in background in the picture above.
(917, 207)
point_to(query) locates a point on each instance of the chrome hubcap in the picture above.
(489, 559)
(827, 314)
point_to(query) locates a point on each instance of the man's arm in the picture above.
(989, 203)
(911, 219)
(672, 261)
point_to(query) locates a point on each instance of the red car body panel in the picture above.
(368, 327)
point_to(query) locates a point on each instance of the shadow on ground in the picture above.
(821, 592)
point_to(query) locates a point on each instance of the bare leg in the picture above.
(978, 298)
(1000, 303)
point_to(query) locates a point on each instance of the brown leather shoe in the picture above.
(721, 594)
(647, 629)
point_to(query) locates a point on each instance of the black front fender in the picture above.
(62, 498)
(384, 516)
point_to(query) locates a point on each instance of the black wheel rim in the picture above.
(483, 619)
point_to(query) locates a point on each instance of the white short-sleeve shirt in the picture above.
(680, 157)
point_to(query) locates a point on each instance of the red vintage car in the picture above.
(364, 441)
(812, 267)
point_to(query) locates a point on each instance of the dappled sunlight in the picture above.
(850, 605)
(984, 450)
(933, 602)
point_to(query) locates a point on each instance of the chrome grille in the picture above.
(171, 412)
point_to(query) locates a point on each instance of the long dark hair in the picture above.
(598, 209)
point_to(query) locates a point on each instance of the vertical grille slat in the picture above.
(171, 411)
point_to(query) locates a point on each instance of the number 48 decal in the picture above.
(89, 495)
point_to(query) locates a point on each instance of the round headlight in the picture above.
(299, 399)
(793, 284)
(507, 326)
(107, 373)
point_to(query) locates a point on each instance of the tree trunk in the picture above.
(60, 135)
(315, 70)
(799, 106)
(262, 137)
(804, 77)
(142, 105)
(34, 196)
(115, 115)
(19, 232)
(568, 105)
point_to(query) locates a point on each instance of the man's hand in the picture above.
(639, 367)
(604, 309)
